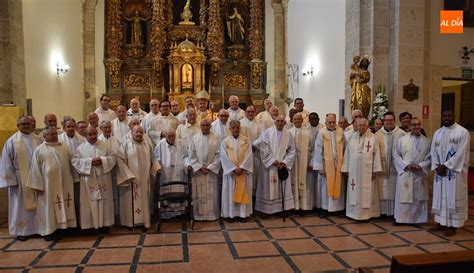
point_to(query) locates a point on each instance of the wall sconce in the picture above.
(61, 69)
(465, 54)
(309, 72)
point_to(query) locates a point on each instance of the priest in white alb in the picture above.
(14, 167)
(220, 126)
(164, 122)
(277, 150)
(301, 183)
(362, 162)
(327, 160)
(387, 137)
(265, 117)
(171, 153)
(154, 112)
(412, 160)
(103, 111)
(120, 126)
(450, 161)
(237, 164)
(252, 128)
(51, 178)
(186, 131)
(94, 162)
(135, 194)
(235, 112)
(203, 157)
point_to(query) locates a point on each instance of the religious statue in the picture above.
(187, 15)
(235, 27)
(359, 77)
(136, 35)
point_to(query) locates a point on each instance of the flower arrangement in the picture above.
(380, 104)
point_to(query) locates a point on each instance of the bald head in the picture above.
(91, 135)
(234, 102)
(223, 116)
(50, 120)
(280, 122)
(93, 119)
(356, 114)
(137, 133)
(205, 126)
(298, 120)
(24, 125)
(133, 122)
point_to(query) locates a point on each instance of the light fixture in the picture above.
(61, 69)
(465, 54)
(309, 72)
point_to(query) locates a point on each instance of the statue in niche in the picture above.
(187, 15)
(136, 35)
(186, 77)
(361, 94)
(235, 27)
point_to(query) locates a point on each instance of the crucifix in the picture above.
(451, 175)
(353, 184)
(68, 199)
(58, 201)
(138, 211)
(368, 146)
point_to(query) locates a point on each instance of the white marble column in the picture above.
(280, 90)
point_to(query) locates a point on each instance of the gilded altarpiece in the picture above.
(169, 49)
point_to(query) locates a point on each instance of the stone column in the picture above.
(367, 33)
(88, 11)
(407, 30)
(280, 8)
(12, 59)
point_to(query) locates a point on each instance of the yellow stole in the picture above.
(240, 190)
(333, 173)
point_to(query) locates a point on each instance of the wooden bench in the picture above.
(450, 262)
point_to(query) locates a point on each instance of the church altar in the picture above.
(171, 49)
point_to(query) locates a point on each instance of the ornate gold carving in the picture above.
(215, 35)
(256, 29)
(256, 68)
(157, 32)
(137, 80)
(113, 68)
(236, 52)
(235, 80)
(114, 29)
(187, 15)
(215, 72)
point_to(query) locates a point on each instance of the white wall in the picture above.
(270, 48)
(445, 48)
(53, 32)
(316, 37)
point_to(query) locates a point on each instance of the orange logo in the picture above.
(450, 21)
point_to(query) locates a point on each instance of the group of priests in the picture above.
(100, 172)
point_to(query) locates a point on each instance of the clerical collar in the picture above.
(169, 143)
(329, 129)
(235, 137)
(450, 127)
(387, 130)
(52, 143)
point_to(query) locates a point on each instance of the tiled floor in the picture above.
(301, 244)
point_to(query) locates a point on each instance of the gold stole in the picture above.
(333, 173)
(29, 201)
(380, 136)
(240, 191)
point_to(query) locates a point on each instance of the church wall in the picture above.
(53, 33)
(318, 40)
(445, 48)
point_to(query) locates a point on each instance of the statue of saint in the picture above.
(187, 15)
(361, 94)
(136, 35)
(235, 27)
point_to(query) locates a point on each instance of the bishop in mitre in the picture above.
(135, 194)
(14, 167)
(237, 164)
(327, 160)
(277, 150)
(387, 137)
(203, 112)
(51, 178)
(450, 161)
(362, 162)
(203, 157)
(303, 188)
(412, 160)
(94, 162)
